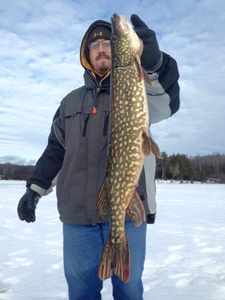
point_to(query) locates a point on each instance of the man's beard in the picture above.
(103, 68)
(104, 65)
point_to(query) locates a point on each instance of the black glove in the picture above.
(151, 53)
(151, 218)
(27, 205)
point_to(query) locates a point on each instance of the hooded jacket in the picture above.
(76, 154)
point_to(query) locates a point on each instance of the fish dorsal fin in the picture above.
(139, 68)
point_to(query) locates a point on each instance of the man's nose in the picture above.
(100, 47)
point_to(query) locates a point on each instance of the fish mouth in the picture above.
(116, 28)
(119, 26)
(115, 17)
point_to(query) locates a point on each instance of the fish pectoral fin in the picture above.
(115, 260)
(149, 145)
(102, 202)
(146, 145)
(135, 210)
(155, 148)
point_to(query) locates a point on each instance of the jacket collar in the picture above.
(93, 81)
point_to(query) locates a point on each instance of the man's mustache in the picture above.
(102, 55)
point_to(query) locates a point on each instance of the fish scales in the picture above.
(128, 138)
(129, 119)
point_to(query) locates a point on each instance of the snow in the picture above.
(185, 256)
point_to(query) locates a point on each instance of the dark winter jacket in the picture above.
(76, 153)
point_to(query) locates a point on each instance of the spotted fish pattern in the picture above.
(129, 143)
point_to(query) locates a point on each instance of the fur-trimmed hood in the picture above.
(83, 49)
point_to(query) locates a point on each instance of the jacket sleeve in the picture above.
(164, 100)
(49, 164)
(163, 90)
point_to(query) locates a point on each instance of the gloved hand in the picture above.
(151, 218)
(27, 205)
(151, 53)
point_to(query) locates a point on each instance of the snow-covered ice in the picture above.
(185, 256)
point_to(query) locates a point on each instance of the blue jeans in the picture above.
(83, 246)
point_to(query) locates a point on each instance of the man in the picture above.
(77, 155)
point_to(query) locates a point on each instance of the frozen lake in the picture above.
(185, 248)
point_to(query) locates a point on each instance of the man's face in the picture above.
(100, 56)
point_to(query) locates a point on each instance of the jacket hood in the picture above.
(83, 49)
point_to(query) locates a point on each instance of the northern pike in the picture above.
(128, 144)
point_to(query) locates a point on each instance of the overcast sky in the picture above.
(40, 64)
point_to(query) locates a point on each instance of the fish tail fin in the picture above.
(122, 261)
(105, 269)
(102, 202)
(115, 260)
(136, 210)
(149, 145)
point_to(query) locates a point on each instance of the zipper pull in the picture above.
(94, 111)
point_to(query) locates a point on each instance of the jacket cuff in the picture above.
(40, 190)
(157, 66)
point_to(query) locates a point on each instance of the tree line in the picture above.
(10, 171)
(169, 167)
(195, 168)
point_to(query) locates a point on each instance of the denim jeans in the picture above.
(83, 247)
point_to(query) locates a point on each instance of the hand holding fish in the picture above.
(151, 55)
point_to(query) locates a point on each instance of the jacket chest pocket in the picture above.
(75, 139)
(86, 129)
(76, 123)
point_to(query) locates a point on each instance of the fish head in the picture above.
(125, 44)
